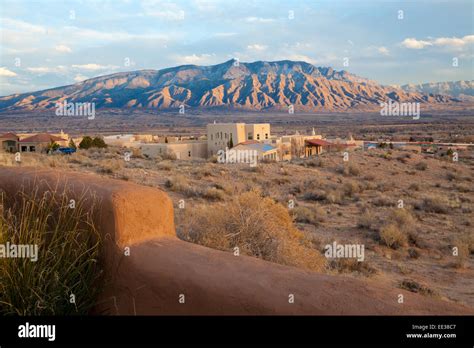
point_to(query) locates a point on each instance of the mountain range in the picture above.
(248, 86)
(459, 89)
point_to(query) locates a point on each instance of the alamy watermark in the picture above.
(75, 109)
(27, 251)
(393, 108)
(335, 250)
(237, 156)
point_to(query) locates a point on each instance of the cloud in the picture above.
(383, 50)
(22, 26)
(6, 73)
(79, 78)
(448, 42)
(257, 47)
(194, 58)
(93, 66)
(41, 70)
(413, 43)
(259, 20)
(163, 10)
(63, 49)
(454, 41)
(60, 69)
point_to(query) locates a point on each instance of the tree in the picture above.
(85, 143)
(53, 146)
(166, 140)
(99, 143)
(72, 144)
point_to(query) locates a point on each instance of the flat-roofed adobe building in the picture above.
(9, 142)
(226, 135)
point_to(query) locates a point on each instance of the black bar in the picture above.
(327, 330)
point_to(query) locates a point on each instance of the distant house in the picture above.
(40, 142)
(9, 142)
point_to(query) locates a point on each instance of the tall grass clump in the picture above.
(67, 268)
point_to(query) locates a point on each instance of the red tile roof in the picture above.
(42, 138)
(319, 142)
(9, 136)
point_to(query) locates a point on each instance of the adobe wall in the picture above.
(161, 268)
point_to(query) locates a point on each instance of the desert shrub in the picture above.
(109, 166)
(350, 188)
(414, 187)
(413, 253)
(328, 196)
(421, 166)
(313, 215)
(315, 162)
(367, 220)
(413, 286)
(258, 226)
(213, 193)
(348, 169)
(351, 265)
(67, 256)
(164, 166)
(451, 176)
(391, 236)
(433, 204)
(382, 200)
(402, 218)
(179, 183)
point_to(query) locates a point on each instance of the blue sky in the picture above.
(49, 43)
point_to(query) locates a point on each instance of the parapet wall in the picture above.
(164, 275)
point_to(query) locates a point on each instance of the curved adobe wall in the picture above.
(161, 267)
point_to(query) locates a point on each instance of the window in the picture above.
(24, 148)
(226, 135)
(249, 136)
(32, 148)
(266, 135)
(212, 137)
(258, 136)
(189, 153)
(221, 136)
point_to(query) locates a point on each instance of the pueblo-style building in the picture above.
(11, 142)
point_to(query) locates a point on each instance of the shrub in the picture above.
(403, 219)
(258, 226)
(421, 166)
(68, 250)
(391, 236)
(351, 265)
(86, 143)
(367, 220)
(416, 287)
(433, 204)
(98, 143)
(313, 215)
(213, 193)
(179, 183)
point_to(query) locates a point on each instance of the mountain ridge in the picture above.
(259, 85)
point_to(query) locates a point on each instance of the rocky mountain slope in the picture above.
(248, 86)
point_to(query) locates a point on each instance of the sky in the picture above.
(51, 43)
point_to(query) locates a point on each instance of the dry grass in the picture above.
(258, 226)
